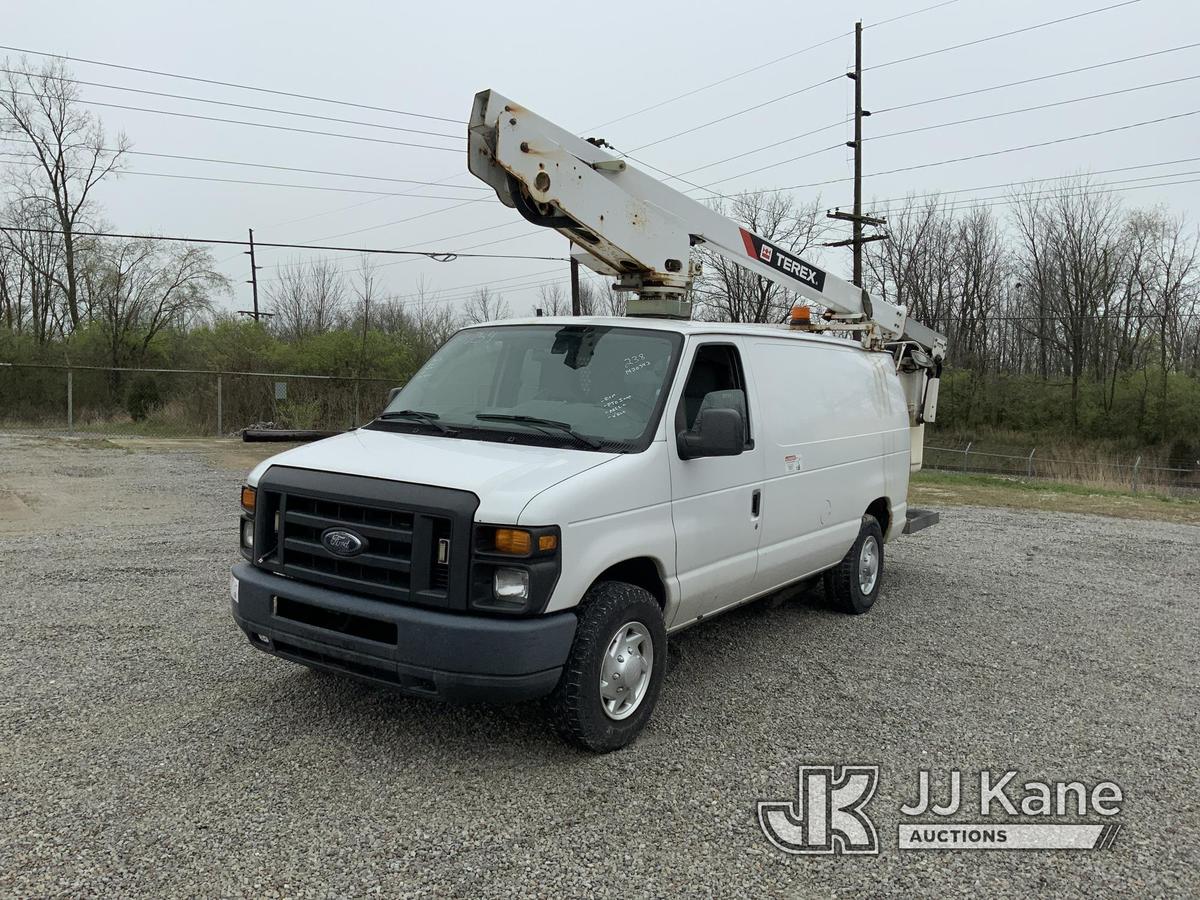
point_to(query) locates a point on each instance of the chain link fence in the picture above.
(195, 403)
(1137, 474)
(182, 402)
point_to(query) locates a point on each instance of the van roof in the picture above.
(680, 326)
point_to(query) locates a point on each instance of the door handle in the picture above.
(755, 503)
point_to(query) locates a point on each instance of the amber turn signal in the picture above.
(514, 541)
(547, 542)
(248, 496)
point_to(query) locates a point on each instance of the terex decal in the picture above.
(792, 266)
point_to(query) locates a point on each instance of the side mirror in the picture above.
(717, 432)
(392, 396)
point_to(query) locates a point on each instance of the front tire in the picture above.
(853, 584)
(614, 672)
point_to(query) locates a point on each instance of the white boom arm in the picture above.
(633, 226)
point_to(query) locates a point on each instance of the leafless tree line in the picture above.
(1068, 285)
(56, 277)
(1063, 283)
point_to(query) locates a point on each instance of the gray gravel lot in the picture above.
(149, 750)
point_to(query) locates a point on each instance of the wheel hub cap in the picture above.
(625, 670)
(868, 565)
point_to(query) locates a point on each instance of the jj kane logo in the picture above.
(829, 813)
(827, 816)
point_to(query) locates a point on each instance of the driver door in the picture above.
(716, 502)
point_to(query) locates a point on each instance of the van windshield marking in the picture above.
(599, 386)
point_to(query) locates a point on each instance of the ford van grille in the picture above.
(395, 541)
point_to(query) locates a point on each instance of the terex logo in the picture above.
(828, 815)
(792, 266)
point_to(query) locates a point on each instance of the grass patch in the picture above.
(932, 488)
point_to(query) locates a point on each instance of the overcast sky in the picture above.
(586, 65)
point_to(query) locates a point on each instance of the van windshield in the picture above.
(606, 384)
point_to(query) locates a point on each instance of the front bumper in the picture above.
(452, 656)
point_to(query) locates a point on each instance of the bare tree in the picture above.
(729, 292)
(914, 267)
(609, 302)
(137, 288)
(1075, 250)
(420, 321)
(553, 301)
(485, 306)
(364, 292)
(30, 258)
(306, 298)
(65, 149)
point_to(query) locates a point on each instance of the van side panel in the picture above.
(828, 414)
(897, 452)
(608, 514)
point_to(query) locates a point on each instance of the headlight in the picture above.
(514, 570)
(511, 584)
(248, 533)
(514, 541)
(518, 541)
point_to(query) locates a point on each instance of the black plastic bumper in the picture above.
(419, 651)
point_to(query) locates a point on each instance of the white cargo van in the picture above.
(548, 499)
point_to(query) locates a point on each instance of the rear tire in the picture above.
(614, 671)
(853, 584)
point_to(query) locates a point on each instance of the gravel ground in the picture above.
(149, 751)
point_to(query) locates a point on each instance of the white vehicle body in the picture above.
(547, 499)
(830, 432)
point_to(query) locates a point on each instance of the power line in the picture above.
(437, 255)
(278, 168)
(268, 109)
(987, 187)
(979, 203)
(1013, 112)
(23, 160)
(786, 140)
(956, 159)
(525, 281)
(231, 84)
(1115, 187)
(732, 115)
(721, 81)
(424, 215)
(782, 162)
(288, 128)
(524, 234)
(462, 293)
(882, 65)
(921, 128)
(1036, 78)
(995, 37)
(760, 66)
(338, 209)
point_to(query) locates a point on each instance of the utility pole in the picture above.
(575, 311)
(856, 218)
(253, 282)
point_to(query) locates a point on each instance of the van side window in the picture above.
(716, 380)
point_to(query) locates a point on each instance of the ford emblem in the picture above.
(343, 542)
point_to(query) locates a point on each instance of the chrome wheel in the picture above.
(625, 670)
(868, 565)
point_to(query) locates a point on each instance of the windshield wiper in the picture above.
(426, 418)
(541, 425)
